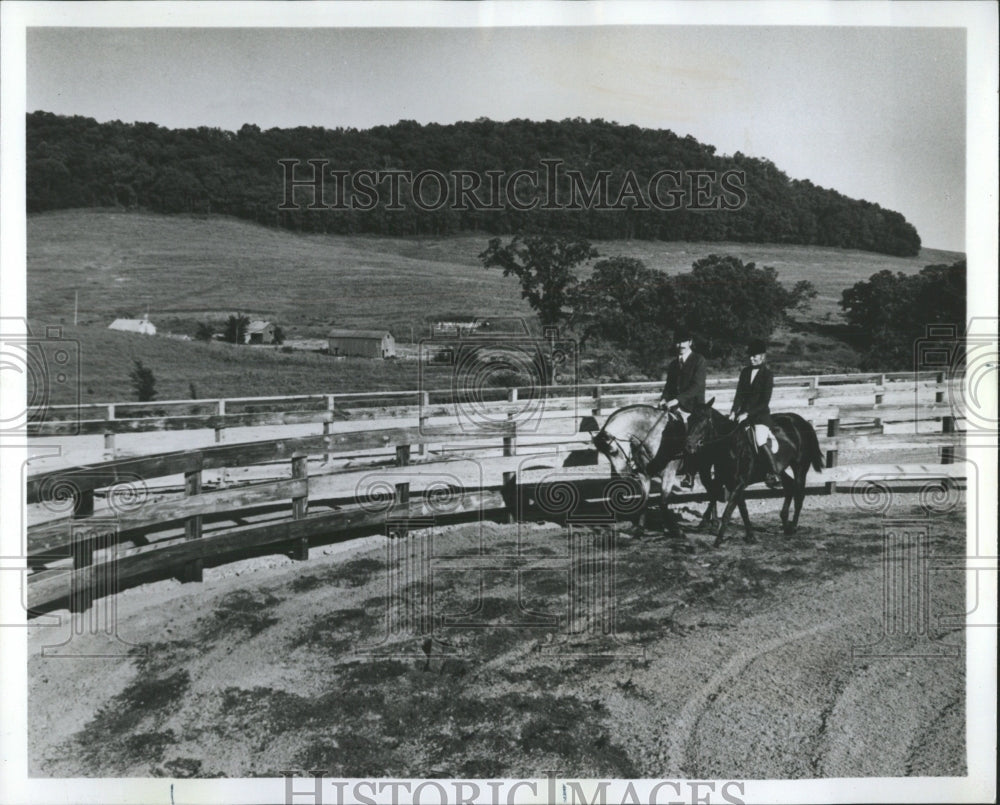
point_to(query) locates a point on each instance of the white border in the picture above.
(978, 18)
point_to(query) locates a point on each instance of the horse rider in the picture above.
(684, 388)
(751, 407)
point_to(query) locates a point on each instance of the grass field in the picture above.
(188, 270)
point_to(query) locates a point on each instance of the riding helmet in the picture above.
(756, 347)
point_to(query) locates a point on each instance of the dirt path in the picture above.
(731, 662)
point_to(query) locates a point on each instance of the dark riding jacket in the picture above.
(754, 399)
(686, 382)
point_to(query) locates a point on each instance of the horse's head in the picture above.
(608, 446)
(603, 442)
(700, 426)
(624, 427)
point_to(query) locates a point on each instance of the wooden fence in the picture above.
(166, 514)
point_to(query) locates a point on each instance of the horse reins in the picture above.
(721, 438)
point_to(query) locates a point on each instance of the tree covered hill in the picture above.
(78, 162)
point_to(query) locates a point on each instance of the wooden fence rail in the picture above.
(841, 427)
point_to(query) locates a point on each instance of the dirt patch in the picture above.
(736, 661)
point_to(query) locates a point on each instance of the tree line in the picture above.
(636, 311)
(78, 162)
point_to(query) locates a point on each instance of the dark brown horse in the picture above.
(730, 449)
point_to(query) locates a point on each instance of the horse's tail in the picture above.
(813, 452)
(808, 440)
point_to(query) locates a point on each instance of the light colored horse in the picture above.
(630, 438)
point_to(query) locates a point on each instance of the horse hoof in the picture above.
(789, 529)
(717, 543)
(750, 539)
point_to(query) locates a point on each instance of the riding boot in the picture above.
(772, 478)
(655, 466)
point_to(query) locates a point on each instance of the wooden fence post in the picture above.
(948, 451)
(109, 435)
(403, 455)
(425, 404)
(401, 509)
(193, 570)
(219, 429)
(880, 390)
(300, 507)
(510, 477)
(939, 393)
(832, 430)
(813, 389)
(82, 596)
(326, 425)
(510, 442)
(596, 410)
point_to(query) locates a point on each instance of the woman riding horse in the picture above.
(751, 408)
(722, 443)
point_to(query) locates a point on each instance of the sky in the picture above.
(876, 113)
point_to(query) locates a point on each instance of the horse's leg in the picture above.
(800, 493)
(790, 486)
(747, 528)
(709, 518)
(671, 522)
(736, 496)
(716, 492)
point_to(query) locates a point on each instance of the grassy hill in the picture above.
(217, 369)
(189, 269)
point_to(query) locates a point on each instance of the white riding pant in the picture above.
(762, 436)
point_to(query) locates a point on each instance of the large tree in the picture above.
(729, 302)
(890, 312)
(725, 302)
(627, 305)
(544, 267)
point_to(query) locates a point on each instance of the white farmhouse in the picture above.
(143, 326)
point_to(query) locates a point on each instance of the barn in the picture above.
(259, 332)
(362, 343)
(143, 326)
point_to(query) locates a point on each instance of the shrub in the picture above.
(143, 382)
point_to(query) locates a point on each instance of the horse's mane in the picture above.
(718, 419)
(634, 406)
(628, 409)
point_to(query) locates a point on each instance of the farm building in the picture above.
(454, 328)
(143, 326)
(259, 332)
(362, 343)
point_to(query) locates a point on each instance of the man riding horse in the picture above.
(751, 408)
(684, 388)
